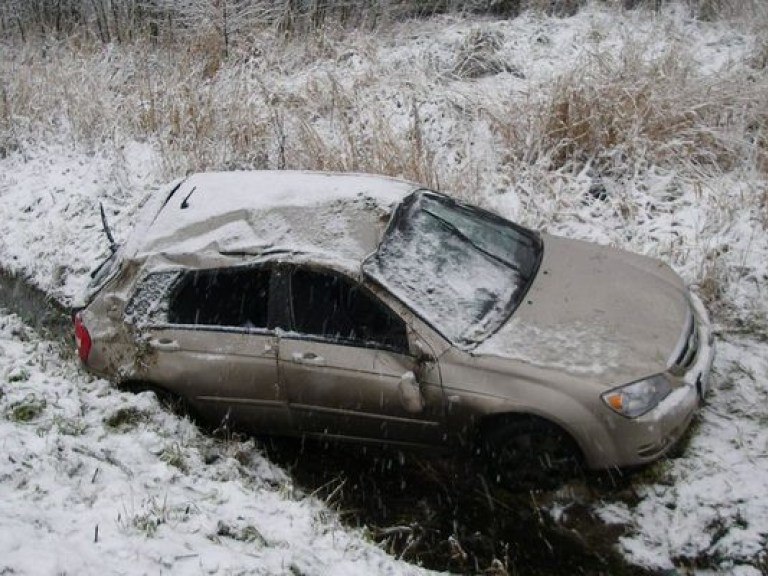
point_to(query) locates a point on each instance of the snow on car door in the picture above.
(345, 364)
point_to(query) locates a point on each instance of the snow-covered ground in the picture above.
(97, 481)
(710, 504)
(158, 508)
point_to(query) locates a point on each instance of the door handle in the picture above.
(164, 344)
(308, 358)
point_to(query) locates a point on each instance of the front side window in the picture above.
(236, 298)
(461, 269)
(334, 308)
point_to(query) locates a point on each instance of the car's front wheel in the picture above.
(527, 452)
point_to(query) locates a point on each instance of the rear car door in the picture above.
(343, 362)
(211, 342)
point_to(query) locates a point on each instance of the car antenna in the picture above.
(107, 231)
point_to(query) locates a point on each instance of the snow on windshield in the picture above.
(436, 261)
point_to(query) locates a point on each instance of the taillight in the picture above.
(82, 338)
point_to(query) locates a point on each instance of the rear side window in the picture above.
(334, 308)
(149, 304)
(234, 298)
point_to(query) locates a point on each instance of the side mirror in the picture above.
(410, 393)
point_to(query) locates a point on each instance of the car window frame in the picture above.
(394, 221)
(173, 290)
(289, 328)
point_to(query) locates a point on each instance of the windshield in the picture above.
(463, 270)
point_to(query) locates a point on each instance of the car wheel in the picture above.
(530, 453)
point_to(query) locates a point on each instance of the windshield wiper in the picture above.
(455, 229)
(107, 231)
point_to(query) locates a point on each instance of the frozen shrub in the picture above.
(126, 418)
(759, 58)
(616, 114)
(477, 56)
(561, 8)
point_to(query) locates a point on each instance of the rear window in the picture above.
(103, 272)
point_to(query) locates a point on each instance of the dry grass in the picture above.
(331, 100)
(202, 115)
(101, 98)
(616, 114)
(621, 115)
(227, 24)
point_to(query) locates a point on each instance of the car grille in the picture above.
(687, 355)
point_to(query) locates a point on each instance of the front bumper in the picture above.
(698, 375)
(642, 440)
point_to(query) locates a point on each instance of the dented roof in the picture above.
(209, 216)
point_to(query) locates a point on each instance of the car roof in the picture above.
(333, 217)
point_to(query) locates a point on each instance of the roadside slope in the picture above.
(107, 482)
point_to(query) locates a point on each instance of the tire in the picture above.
(529, 453)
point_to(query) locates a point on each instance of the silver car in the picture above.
(371, 309)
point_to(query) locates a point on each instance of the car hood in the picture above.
(597, 312)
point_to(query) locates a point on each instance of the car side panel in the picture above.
(228, 376)
(476, 393)
(342, 390)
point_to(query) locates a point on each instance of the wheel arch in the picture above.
(497, 419)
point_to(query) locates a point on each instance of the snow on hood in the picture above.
(597, 312)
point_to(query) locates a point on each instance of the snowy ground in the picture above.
(158, 508)
(96, 481)
(711, 503)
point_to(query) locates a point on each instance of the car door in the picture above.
(211, 342)
(346, 362)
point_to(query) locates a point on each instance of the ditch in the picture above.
(435, 511)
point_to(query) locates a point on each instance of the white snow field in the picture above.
(692, 189)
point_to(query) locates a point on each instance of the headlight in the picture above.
(636, 399)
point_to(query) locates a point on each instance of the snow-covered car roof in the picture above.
(333, 216)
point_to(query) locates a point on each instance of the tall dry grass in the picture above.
(231, 22)
(333, 99)
(264, 107)
(622, 114)
(203, 116)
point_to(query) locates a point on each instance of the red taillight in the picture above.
(82, 338)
